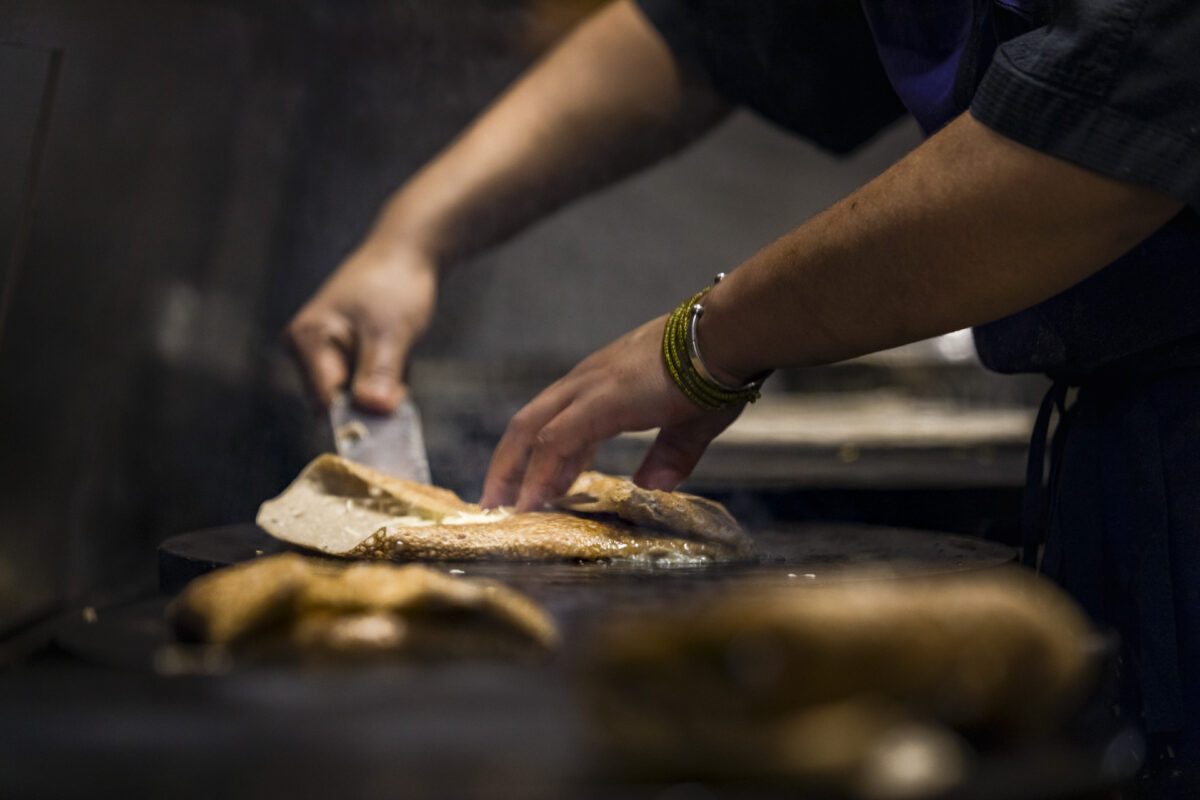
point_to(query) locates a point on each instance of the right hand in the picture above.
(365, 319)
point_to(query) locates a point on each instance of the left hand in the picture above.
(622, 387)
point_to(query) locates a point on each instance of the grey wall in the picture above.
(633, 252)
(206, 164)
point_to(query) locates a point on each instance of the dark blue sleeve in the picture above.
(1113, 85)
(809, 66)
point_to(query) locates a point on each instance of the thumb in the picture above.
(380, 363)
(678, 447)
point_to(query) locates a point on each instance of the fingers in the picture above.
(506, 472)
(538, 460)
(363, 321)
(380, 365)
(621, 387)
(677, 449)
(561, 450)
(322, 351)
(323, 347)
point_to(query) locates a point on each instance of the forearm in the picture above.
(968, 228)
(608, 100)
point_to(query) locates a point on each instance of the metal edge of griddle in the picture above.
(186, 556)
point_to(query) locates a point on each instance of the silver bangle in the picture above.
(693, 348)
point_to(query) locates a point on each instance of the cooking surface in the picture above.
(575, 594)
(126, 708)
(822, 551)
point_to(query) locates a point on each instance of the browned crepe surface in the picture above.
(685, 515)
(290, 603)
(810, 680)
(342, 508)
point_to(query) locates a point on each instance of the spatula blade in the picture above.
(390, 443)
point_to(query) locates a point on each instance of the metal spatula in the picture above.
(390, 443)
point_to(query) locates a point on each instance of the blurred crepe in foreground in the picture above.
(828, 683)
(341, 508)
(289, 605)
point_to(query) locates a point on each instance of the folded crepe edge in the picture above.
(277, 590)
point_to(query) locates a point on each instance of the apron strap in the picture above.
(1034, 507)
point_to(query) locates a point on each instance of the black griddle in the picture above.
(826, 551)
(577, 595)
(119, 714)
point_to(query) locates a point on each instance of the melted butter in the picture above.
(467, 518)
(670, 559)
(409, 521)
(462, 518)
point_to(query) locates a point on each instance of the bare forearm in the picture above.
(968, 228)
(608, 100)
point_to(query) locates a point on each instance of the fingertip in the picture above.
(658, 478)
(530, 500)
(675, 453)
(506, 472)
(495, 498)
(498, 491)
(488, 498)
(328, 374)
(380, 365)
(545, 482)
(666, 464)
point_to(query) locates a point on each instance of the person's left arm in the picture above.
(969, 227)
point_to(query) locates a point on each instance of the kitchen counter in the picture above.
(881, 439)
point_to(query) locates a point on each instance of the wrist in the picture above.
(718, 345)
(395, 254)
(687, 367)
(714, 357)
(403, 234)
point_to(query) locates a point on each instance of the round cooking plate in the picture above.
(576, 594)
(467, 730)
(813, 551)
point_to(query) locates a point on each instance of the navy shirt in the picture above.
(1113, 85)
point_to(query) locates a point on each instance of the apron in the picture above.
(1121, 513)
(1121, 516)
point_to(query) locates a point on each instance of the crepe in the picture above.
(341, 508)
(289, 604)
(820, 682)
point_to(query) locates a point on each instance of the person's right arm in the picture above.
(610, 99)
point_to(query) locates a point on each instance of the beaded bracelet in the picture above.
(686, 367)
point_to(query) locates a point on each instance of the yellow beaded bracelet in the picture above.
(687, 369)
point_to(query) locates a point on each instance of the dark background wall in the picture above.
(175, 179)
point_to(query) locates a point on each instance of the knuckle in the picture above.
(302, 330)
(374, 329)
(310, 331)
(548, 440)
(556, 440)
(522, 426)
(377, 370)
